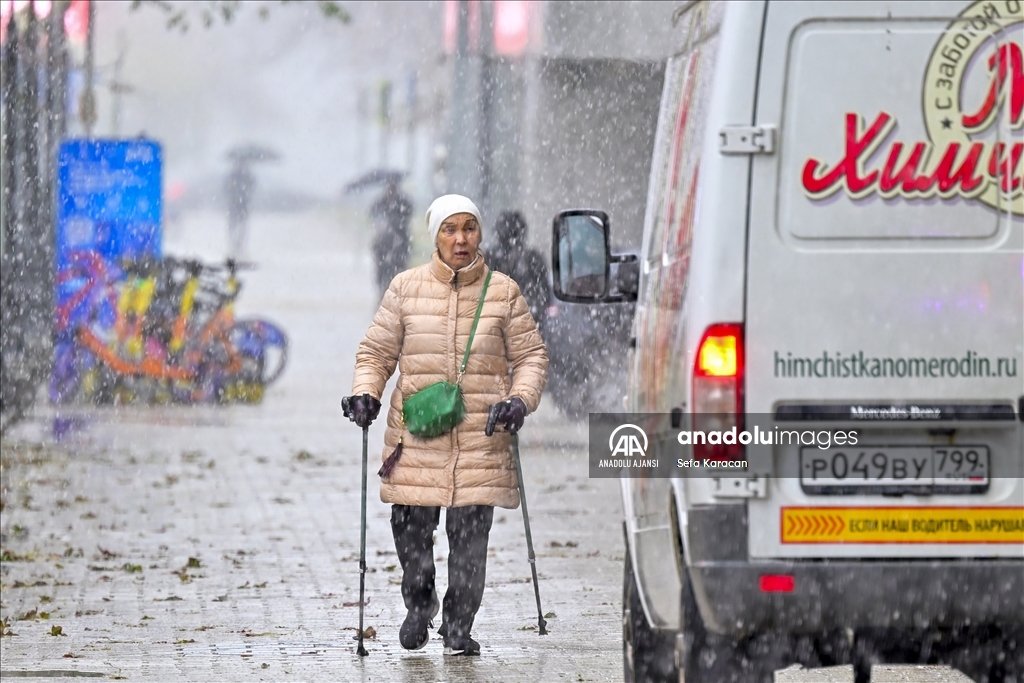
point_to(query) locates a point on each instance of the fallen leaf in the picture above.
(57, 631)
(132, 568)
(549, 615)
(355, 603)
(8, 556)
(184, 641)
(104, 554)
(193, 563)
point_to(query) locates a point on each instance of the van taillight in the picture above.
(718, 389)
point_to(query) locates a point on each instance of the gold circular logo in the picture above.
(995, 29)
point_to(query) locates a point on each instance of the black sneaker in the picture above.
(414, 634)
(461, 647)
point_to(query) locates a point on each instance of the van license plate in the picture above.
(894, 469)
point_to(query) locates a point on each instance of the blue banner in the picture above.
(109, 199)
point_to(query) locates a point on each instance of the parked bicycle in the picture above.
(159, 331)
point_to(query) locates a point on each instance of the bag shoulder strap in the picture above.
(472, 332)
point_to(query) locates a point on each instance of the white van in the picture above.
(834, 239)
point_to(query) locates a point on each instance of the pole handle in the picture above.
(492, 420)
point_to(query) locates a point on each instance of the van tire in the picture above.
(648, 654)
(710, 658)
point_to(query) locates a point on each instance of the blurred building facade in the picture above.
(554, 105)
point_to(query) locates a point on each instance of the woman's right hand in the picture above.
(362, 409)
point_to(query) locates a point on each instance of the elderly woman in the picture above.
(423, 325)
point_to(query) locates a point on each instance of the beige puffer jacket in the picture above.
(423, 325)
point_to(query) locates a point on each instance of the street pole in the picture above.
(410, 143)
(485, 149)
(87, 104)
(8, 81)
(364, 128)
(384, 114)
(55, 125)
(464, 110)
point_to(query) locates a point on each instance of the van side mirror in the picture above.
(627, 276)
(581, 260)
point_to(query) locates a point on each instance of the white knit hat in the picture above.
(449, 205)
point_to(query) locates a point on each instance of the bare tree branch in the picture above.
(180, 15)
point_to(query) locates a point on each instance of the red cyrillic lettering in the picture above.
(847, 167)
(1007, 58)
(906, 177)
(947, 177)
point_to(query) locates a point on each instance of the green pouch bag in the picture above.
(437, 409)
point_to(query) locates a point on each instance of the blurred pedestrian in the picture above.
(391, 213)
(238, 188)
(525, 265)
(422, 327)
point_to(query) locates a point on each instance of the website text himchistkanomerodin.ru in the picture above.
(859, 365)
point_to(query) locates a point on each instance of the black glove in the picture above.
(511, 412)
(362, 410)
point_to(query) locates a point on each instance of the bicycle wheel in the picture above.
(85, 293)
(265, 342)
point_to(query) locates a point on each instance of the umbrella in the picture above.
(380, 176)
(252, 152)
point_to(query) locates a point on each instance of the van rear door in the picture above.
(885, 285)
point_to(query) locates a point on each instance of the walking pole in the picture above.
(360, 650)
(529, 537)
(492, 419)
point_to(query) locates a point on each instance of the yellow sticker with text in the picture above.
(902, 525)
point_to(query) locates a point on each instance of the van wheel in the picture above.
(648, 654)
(710, 658)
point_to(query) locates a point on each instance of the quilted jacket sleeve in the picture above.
(378, 352)
(525, 350)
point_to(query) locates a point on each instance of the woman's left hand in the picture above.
(511, 412)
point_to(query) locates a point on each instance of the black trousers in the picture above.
(467, 528)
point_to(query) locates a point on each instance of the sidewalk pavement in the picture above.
(219, 544)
